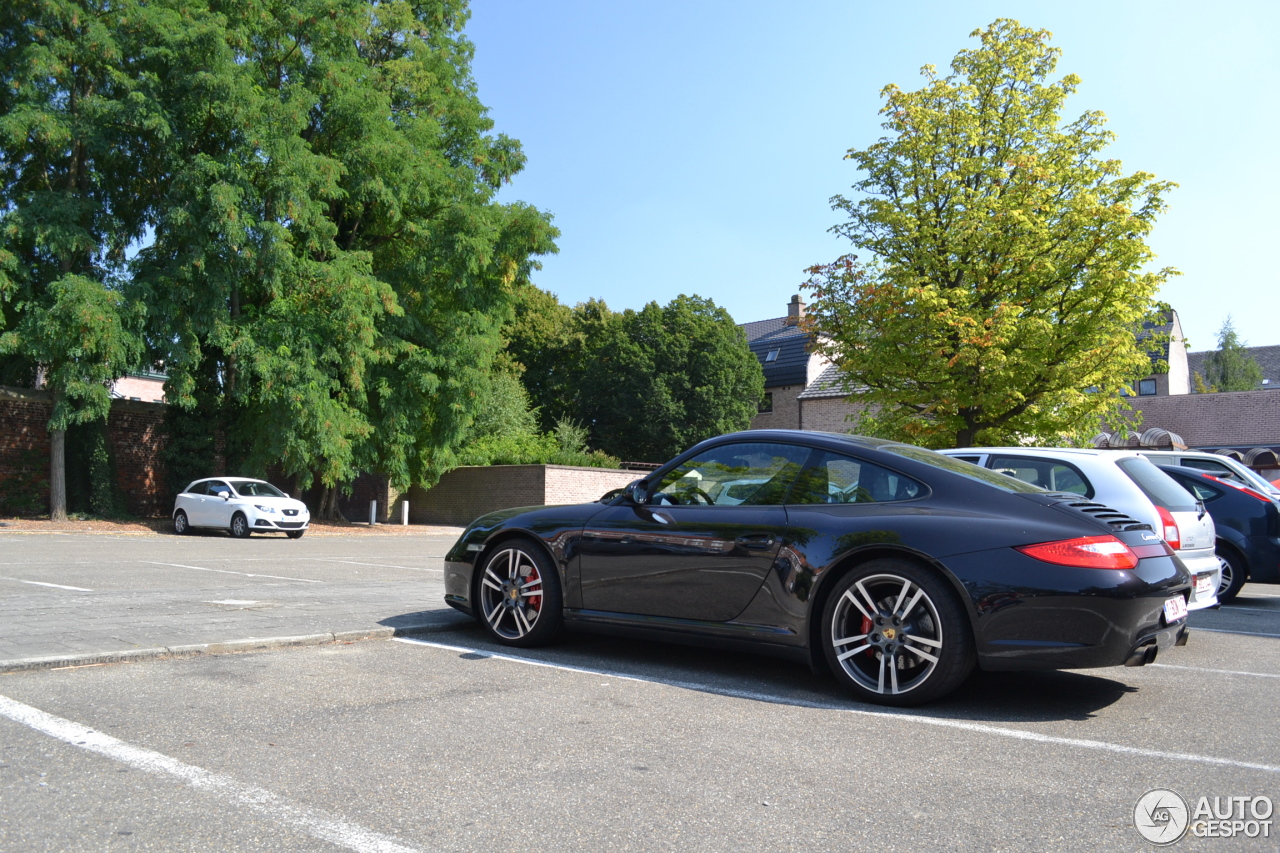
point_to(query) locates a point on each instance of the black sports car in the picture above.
(896, 567)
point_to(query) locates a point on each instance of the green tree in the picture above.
(1007, 258)
(663, 378)
(1230, 367)
(73, 124)
(554, 344)
(329, 252)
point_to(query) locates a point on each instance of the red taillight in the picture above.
(1087, 552)
(1239, 487)
(1171, 534)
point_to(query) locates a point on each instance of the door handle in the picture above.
(758, 542)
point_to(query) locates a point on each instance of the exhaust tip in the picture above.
(1142, 655)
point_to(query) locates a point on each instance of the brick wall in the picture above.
(1229, 419)
(464, 494)
(24, 451)
(136, 433)
(829, 414)
(786, 409)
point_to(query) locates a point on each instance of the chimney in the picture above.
(795, 311)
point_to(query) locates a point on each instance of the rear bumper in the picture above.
(1205, 569)
(1069, 618)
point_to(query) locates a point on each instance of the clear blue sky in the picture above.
(692, 147)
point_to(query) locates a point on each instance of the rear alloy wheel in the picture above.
(895, 634)
(1232, 575)
(180, 525)
(240, 526)
(519, 594)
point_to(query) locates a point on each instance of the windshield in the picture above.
(964, 469)
(256, 489)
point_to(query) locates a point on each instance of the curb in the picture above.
(230, 647)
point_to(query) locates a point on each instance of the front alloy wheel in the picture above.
(519, 594)
(240, 526)
(896, 635)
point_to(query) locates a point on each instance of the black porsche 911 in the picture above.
(896, 567)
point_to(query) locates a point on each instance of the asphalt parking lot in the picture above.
(441, 741)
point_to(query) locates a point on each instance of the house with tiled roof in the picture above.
(1268, 358)
(804, 390)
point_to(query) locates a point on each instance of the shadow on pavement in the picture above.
(1004, 697)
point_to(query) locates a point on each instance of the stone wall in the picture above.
(464, 494)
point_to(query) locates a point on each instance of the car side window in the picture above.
(201, 488)
(832, 478)
(1215, 468)
(1045, 473)
(748, 473)
(216, 486)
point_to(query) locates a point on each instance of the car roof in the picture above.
(1082, 452)
(808, 436)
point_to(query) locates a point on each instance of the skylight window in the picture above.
(773, 355)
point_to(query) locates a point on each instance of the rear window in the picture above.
(964, 469)
(1046, 473)
(1162, 489)
(1199, 488)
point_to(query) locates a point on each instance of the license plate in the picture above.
(1175, 609)
(1204, 584)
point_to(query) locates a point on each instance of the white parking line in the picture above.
(1225, 631)
(379, 565)
(1231, 608)
(230, 572)
(54, 585)
(314, 822)
(907, 717)
(1217, 671)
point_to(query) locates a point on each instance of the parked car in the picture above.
(916, 567)
(241, 506)
(1221, 466)
(1247, 523)
(1127, 481)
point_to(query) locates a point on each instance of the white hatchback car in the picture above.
(1126, 481)
(1217, 465)
(240, 505)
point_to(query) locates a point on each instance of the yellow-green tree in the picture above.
(1007, 268)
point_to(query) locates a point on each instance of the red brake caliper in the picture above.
(535, 601)
(866, 629)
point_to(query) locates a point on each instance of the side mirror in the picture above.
(226, 496)
(637, 492)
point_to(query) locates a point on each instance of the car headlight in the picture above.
(267, 509)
